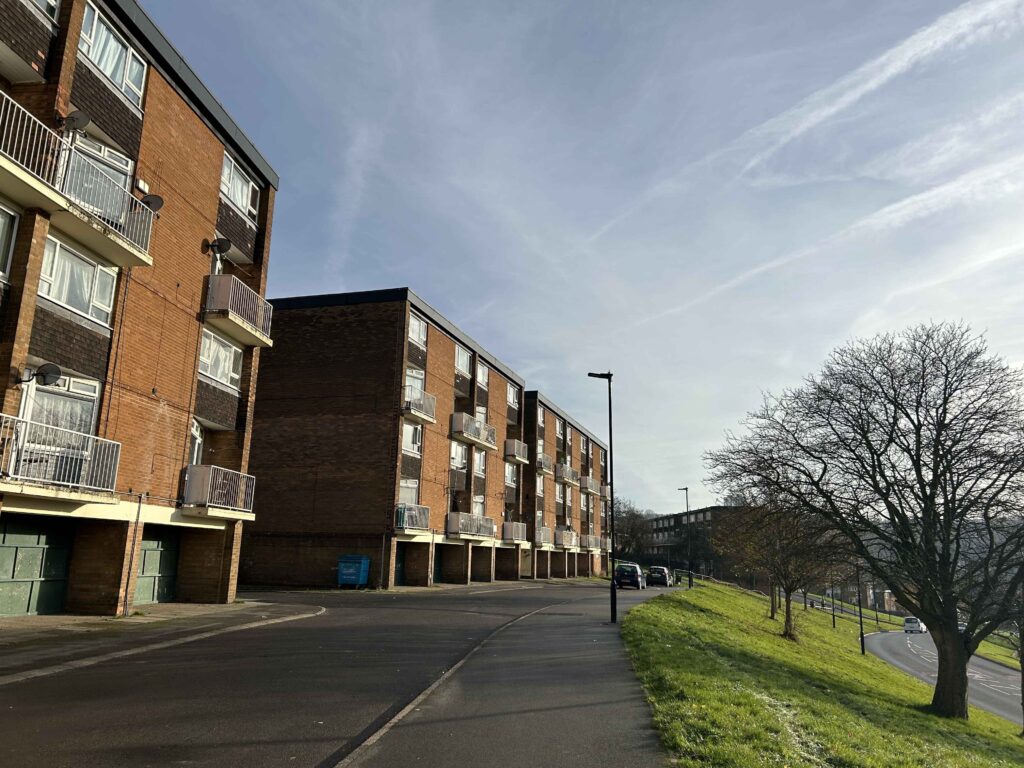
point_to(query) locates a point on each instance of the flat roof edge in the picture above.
(535, 394)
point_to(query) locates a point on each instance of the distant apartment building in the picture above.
(384, 430)
(567, 490)
(135, 222)
(685, 540)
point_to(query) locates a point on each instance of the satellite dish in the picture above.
(77, 120)
(48, 374)
(219, 246)
(153, 202)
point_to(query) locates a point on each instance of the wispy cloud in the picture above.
(360, 154)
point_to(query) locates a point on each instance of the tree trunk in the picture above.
(771, 592)
(788, 630)
(950, 698)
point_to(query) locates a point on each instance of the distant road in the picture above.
(991, 686)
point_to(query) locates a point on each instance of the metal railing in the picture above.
(545, 464)
(412, 516)
(226, 293)
(606, 544)
(45, 455)
(211, 486)
(589, 485)
(475, 525)
(54, 161)
(516, 450)
(417, 401)
(606, 491)
(542, 536)
(513, 531)
(567, 474)
(566, 538)
(588, 541)
(475, 429)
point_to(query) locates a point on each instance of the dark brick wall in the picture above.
(70, 345)
(25, 34)
(95, 94)
(237, 229)
(216, 405)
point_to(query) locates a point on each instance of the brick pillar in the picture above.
(483, 563)
(507, 563)
(208, 564)
(48, 99)
(19, 303)
(455, 563)
(104, 563)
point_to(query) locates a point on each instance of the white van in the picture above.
(914, 624)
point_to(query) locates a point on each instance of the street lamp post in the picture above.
(611, 494)
(860, 613)
(689, 539)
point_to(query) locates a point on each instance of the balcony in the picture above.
(40, 169)
(590, 542)
(589, 486)
(472, 430)
(566, 539)
(55, 461)
(238, 311)
(517, 452)
(542, 537)
(606, 544)
(217, 492)
(566, 474)
(545, 465)
(464, 524)
(418, 405)
(513, 532)
(412, 517)
(606, 492)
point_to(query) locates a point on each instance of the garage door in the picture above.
(34, 555)
(158, 565)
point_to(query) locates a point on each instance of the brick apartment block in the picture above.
(125, 479)
(383, 430)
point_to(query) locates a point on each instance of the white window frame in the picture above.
(414, 447)
(126, 87)
(512, 395)
(511, 476)
(584, 446)
(560, 492)
(406, 483)
(251, 209)
(568, 435)
(70, 386)
(234, 378)
(7, 253)
(480, 463)
(540, 447)
(197, 439)
(457, 449)
(559, 428)
(52, 8)
(479, 500)
(106, 156)
(540, 484)
(415, 378)
(96, 302)
(468, 369)
(540, 415)
(483, 375)
(417, 330)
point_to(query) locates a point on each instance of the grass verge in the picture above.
(727, 691)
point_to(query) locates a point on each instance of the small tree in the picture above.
(632, 530)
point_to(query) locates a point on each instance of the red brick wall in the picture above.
(440, 382)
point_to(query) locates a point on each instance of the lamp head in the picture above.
(607, 375)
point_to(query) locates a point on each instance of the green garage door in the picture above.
(34, 554)
(158, 565)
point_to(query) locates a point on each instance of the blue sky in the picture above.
(705, 197)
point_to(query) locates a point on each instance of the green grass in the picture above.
(998, 649)
(727, 691)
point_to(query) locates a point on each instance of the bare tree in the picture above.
(791, 546)
(912, 446)
(632, 529)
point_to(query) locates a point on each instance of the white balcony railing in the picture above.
(589, 485)
(566, 539)
(517, 452)
(226, 294)
(545, 464)
(54, 161)
(416, 402)
(474, 430)
(566, 474)
(210, 486)
(542, 536)
(41, 454)
(472, 525)
(513, 531)
(412, 516)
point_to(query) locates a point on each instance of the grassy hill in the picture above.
(727, 691)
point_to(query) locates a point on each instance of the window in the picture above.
(511, 477)
(479, 463)
(71, 404)
(95, 176)
(568, 435)
(112, 55)
(239, 189)
(8, 226)
(49, 7)
(559, 428)
(478, 506)
(417, 330)
(482, 374)
(116, 164)
(459, 455)
(481, 413)
(584, 506)
(568, 500)
(540, 415)
(195, 443)
(414, 378)
(540, 447)
(220, 360)
(412, 438)
(408, 491)
(540, 484)
(584, 446)
(512, 395)
(76, 282)
(463, 361)
(559, 492)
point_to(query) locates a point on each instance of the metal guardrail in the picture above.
(211, 486)
(589, 485)
(54, 161)
(567, 474)
(542, 536)
(566, 538)
(606, 492)
(474, 429)
(545, 464)
(474, 525)
(412, 516)
(588, 541)
(226, 293)
(416, 401)
(513, 531)
(38, 453)
(606, 544)
(516, 450)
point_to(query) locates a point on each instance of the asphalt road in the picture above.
(991, 686)
(555, 688)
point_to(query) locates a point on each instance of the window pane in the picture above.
(411, 437)
(225, 174)
(540, 485)
(105, 282)
(72, 281)
(409, 491)
(7, 220)
(414, 378)
(136, 72)
(109, 53)
(59, 409)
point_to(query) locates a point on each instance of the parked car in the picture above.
(659, 574)
(630, 575)
(914, 624)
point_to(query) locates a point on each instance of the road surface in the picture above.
(991, 686)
